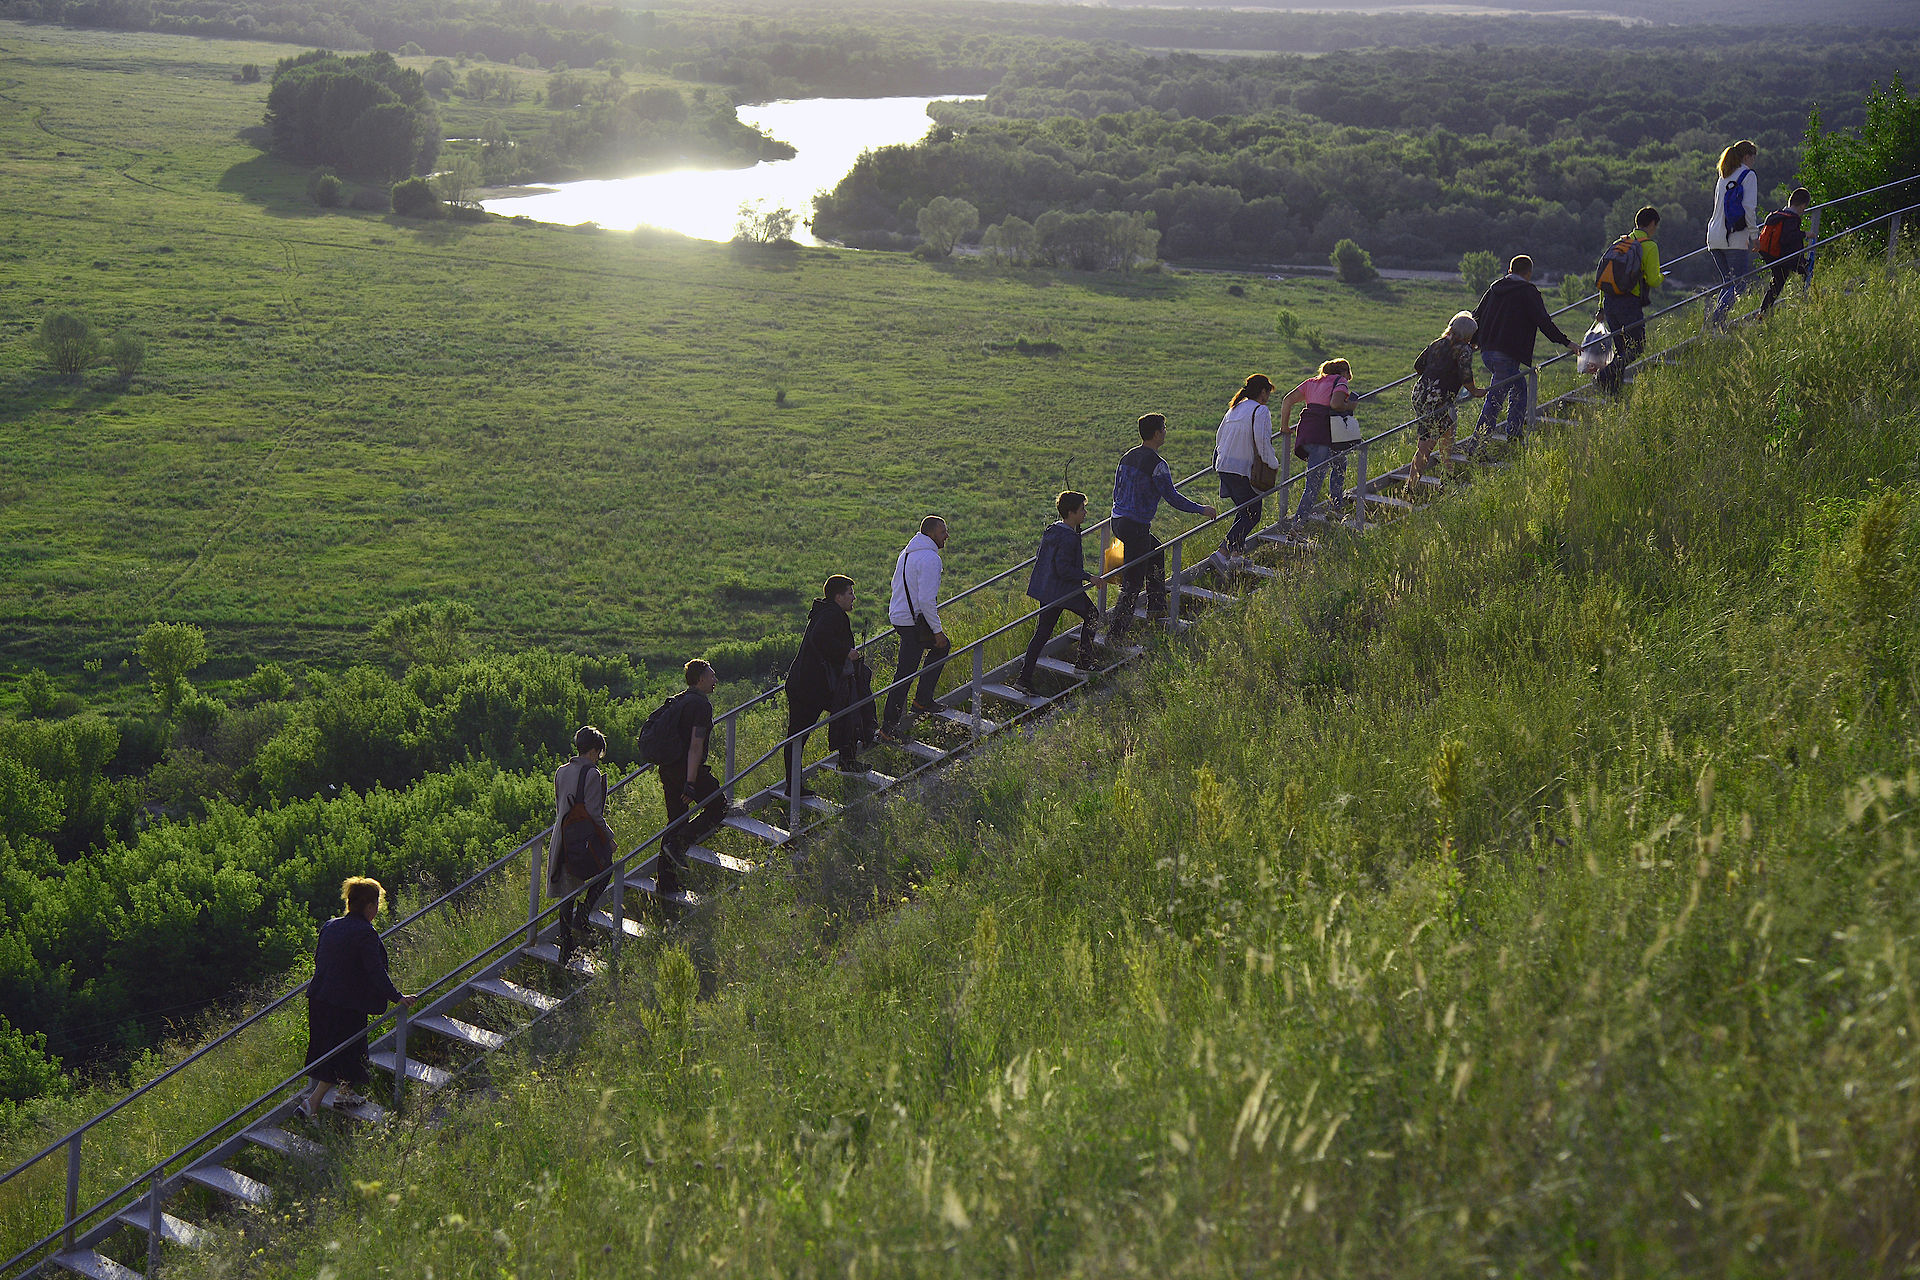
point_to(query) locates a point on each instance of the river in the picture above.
(828, 135)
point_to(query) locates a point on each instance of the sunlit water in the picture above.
(828, 133)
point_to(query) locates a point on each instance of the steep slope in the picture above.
(1534, 888)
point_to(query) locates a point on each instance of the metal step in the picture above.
(817, 804)
(365, 1112)
(872, 777)
(549, 953)
(1558, 422)
(283, 1143)
(1007, 693)
(726, 861)
(227, 1182)
(99, 1266)
(1211, 597)
(431, 1076)
(757, 829)
(1260, 571)
(526, 997)
(461, 1032)
(916, 748)
(172, 1229)
(966, 719)
(680, 897)
(603, 921)
(1384, 500)
(1281, 540)
(1061, 668)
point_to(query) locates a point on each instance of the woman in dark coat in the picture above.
(821, 670)
(350, 984)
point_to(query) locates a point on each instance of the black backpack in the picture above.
(1437, 365)
(584, 849)
(660, 742)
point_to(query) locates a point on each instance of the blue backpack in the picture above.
(1733, 202)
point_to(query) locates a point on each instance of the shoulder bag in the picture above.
(1263, 476)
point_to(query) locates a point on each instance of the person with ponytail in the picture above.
(1733, 222)
(1245, 460)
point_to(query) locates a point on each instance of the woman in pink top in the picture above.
(1320, 397)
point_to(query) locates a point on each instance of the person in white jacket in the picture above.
(915, 614)
(1730, 231)
(1245, 436)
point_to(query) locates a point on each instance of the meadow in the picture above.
(1528, 889)
(578, 433)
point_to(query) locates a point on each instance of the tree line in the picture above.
(1419, 157)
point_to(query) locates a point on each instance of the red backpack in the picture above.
(1775, 227)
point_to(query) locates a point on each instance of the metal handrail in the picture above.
(618, 870)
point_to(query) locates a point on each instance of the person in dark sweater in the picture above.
(1510, 314)
(1788, 244)
(1059, 578)
(350, 984)
(1141, 483)
(822, 668)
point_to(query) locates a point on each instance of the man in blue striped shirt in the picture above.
(1140, 483)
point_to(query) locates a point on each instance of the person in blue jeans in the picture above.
(1733, 223)
(1140, 483)
(1318, 399)
(1510, 315)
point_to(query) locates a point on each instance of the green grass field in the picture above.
(575, 432)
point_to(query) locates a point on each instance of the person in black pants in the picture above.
(1789, 245)
(577, 875)
(1140, 483)
(823, 666)
(350, 984)
(1059, 576)
(1626, 313)
(686, 781)
(914, 611)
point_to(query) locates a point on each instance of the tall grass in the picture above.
(1530, 890)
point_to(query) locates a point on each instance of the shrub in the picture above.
(25, 1069)
(37, 693)
(169, 651)
(943, 221)
(250, 74)
(1352, 264)
(326, 189)
(1478, 270)
(69, 342)
(127, 353)
(415, 198)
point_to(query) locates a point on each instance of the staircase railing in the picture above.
(447, 989)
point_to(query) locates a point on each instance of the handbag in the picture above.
(1343, 428)
(1263, 476)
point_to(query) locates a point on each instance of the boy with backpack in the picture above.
(1782, 240)
(580, 855)
(675, 738)
(1629, 272)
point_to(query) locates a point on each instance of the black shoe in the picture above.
(1020, 684)
(922, 707)
(805, 790)
(1086, 661)
(851, 768)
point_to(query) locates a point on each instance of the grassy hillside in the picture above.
(574, 432)
(1529, 890)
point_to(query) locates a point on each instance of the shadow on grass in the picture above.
(54, 393)
(270, 182)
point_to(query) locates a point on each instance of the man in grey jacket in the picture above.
(579, 779)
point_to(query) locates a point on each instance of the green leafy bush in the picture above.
(1352, 264)
(1478, 270)
(415, 198)
(127, 353)
(326, 189)
(69, 343)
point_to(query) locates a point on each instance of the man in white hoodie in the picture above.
(915, 614)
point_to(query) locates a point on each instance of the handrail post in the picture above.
(1813, 242)
(979, 680)
(733, 736)
(534, 858)
(73, 1183)
(153, 1225)
(795, 781)
(1893, 245)
(1173, 584)
(400, 1060)
(1358, 520)
(1533, 399)
(617, 881)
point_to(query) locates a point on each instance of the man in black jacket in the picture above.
(823, 667)
(1510, 313)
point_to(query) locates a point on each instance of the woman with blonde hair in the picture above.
(350, 984)
(1446, 369)
(1733, 222)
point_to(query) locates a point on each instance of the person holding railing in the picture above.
(1319, 398)
(1511, 314)
(685, 779)
(1782, 242)
(580, 853)
(1140, 483)
(1625, 310)
(914, 612)
(1445, 368)
(1732, 224)
(350, 984)
(822, 671)
(1248, 467)
(1059, 578)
